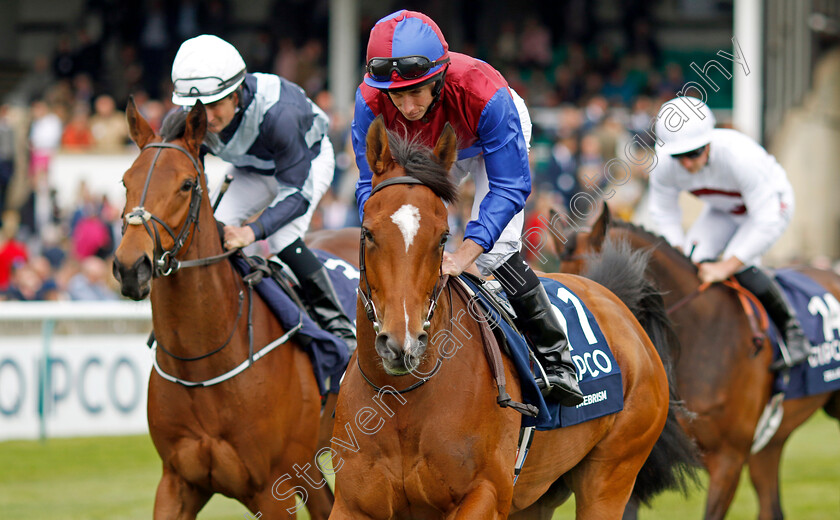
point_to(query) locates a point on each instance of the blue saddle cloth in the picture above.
(345, 279)
(328, 353)
(598, 372)
(819, 313)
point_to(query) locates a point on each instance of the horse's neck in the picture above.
(198, 298)
(673, 276)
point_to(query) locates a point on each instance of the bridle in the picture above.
(370, 307)
(365, 295)
(164, 262)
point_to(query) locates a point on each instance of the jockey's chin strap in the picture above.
(759, 324)
(164, 261)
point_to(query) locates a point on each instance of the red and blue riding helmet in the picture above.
(405, 49)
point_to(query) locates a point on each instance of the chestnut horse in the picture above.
(253, 423)
(724, 380)
(406, 447)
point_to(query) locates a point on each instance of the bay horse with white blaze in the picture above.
(721, 374)
(223, 418)
(439, 447)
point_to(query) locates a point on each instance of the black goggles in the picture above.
(407, 67)
(693, 154)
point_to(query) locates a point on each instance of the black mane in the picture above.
(420, 162)
(174, 125)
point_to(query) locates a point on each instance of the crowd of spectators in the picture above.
(587, 99)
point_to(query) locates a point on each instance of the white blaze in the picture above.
(406, 341)
(407, 218)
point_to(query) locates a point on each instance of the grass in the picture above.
(114, 478)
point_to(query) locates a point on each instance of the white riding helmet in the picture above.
(206, 68)
(684, 124)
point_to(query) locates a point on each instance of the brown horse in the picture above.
(249, 430)
(439, 446)
(723, 378)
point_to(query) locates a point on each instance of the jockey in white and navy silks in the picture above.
(748, 200)
(280, 135)
(283, 162)
(418, 85)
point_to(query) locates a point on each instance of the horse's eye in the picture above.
(187, 186)
(443, 239)
(367, 235)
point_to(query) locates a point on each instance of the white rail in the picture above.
(75, 310)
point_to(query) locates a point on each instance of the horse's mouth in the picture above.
(136, 281)
(136, 292)
(402, 366)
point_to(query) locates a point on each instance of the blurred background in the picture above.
(593, 73)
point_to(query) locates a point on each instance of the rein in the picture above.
(164, 261)
(251, 280)
(164, 264)
(758, 324)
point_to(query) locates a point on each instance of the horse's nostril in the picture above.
(386, 347)
(115, 270)
(143, 268)
(422, 340)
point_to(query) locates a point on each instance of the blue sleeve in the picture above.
(281, 128)
(276, 216)
(362, 118)
(508, 172)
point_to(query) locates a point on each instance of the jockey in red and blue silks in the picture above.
(417, 84)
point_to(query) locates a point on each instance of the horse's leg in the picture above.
(281, 499)
(543, 509)
(631, 510)
(320, 503)
(342, 511)
(724, 467)
(764, 473)
(764, 465)
(482, 502)
(603, 487)
(177, 499)
(832, 407)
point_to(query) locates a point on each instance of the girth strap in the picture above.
(493, 354)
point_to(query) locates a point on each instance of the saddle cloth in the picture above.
(598, 373)
(819, 314)
(328, 353)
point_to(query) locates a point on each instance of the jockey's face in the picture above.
(220, 113)
(413, 104)
(695, 164)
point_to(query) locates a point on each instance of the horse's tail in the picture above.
(674, 461)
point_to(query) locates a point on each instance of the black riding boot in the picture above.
(536, 319)
(796, 347)
(318, 291)
(320, 294)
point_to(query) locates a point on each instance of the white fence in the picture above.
(73, 368)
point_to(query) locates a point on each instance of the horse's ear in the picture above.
(196, 127)
(378, 152)
(446, 148)
(599, 229)
(139, 130)
(559, 245)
